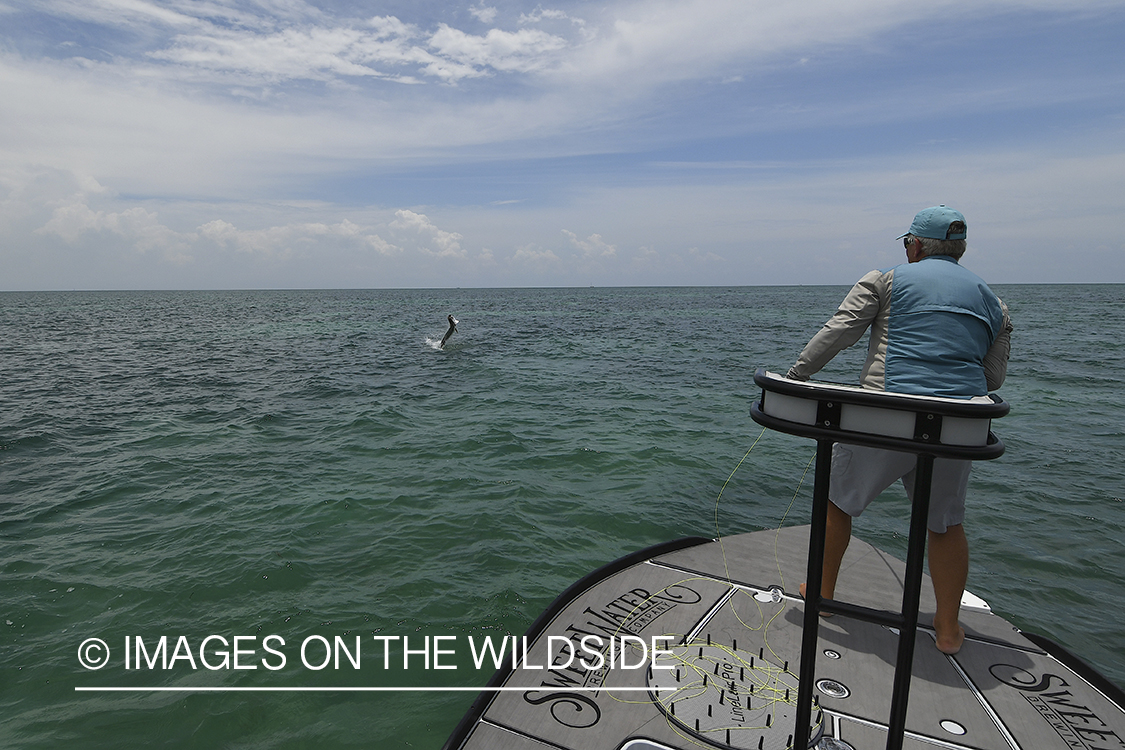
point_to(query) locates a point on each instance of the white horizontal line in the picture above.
(540, 688)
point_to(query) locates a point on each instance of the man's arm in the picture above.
(996, 359)
(846, 327)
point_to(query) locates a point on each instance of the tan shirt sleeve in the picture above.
(996, 359)
(846, 327)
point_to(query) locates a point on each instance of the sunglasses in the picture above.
(907, 241)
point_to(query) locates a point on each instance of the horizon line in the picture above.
(513, 288)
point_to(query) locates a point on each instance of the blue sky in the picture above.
(245, 144)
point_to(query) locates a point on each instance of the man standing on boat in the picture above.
(936, 330)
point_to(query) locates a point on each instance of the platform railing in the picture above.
(931, 427)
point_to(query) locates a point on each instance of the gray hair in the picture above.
(952, 248)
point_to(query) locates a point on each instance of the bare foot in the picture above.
(801, 589)
(950, 645)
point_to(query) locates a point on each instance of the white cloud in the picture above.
(646, 43)
(121, 13)
(628, 45)
(522, 51)
(533, 255)
(77, 224)
(29, 192)
(323, 53)
(448, 244)
(779, 225)
(704, 255)
(119, 119)
(593, 246)
(284, 239)
(137, 226)
(540, 13)
(382, 47)
(484, 14)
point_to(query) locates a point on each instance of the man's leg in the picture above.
(838, 532)
(949, 570)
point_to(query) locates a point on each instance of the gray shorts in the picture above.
(860, 473)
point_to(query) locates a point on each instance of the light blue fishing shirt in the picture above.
(943, 319)
(936, 330)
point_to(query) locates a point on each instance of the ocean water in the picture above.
(309, 465)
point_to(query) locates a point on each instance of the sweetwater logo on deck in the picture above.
(316, 652)
(1072, 718)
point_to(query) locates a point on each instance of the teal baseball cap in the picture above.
(934, 223)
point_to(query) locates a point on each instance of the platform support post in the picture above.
(911, 593)
(813, 579)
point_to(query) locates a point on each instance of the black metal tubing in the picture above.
(882, 617)
(828, 401)
(911, 593)
(810, 629)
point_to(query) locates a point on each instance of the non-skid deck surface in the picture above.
(735, 625)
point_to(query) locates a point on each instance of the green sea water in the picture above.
(310, 465)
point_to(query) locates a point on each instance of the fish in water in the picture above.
(452, 328)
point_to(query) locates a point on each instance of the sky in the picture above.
(245, 144)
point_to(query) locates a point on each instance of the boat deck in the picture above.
(728, 615)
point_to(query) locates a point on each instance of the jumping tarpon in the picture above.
(452, 328)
